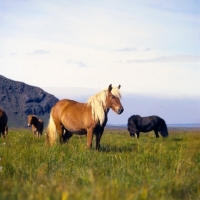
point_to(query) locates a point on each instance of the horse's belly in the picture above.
(76, 131)
(146, 128)
(82, 132)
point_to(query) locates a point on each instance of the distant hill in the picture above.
(20, 100)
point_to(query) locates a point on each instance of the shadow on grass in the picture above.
(118, 149)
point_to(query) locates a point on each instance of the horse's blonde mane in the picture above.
(98, 104)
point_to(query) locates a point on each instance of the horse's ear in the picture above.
(110, 87)
(119, 86)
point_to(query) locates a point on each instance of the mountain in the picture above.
(20, 100)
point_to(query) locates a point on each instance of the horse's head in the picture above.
(164, 133)
(113, 99)
(30, 118)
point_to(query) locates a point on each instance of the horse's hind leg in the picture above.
(59, 129)
(156, 133)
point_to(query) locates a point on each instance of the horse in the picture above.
(37, 125)
(137, 124)
(3, 123)
(88, 118)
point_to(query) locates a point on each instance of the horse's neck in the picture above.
(106, 111)
(105, 116)
(35, 121)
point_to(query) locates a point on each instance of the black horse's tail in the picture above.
(164, 130)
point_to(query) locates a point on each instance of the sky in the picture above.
(74, 49)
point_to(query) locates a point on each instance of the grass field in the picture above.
(124, 168)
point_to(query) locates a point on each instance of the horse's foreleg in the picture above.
(89, 138)
(98, 138)
(156, 133)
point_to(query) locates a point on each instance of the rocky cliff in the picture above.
(20, 100)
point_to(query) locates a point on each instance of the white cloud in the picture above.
(174, 58)
(40, 52)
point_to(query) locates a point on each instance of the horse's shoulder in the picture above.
(33, 126)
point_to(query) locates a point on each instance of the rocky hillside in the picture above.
(20, 100)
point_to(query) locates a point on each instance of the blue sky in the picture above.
(151, 48)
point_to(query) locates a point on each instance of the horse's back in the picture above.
(66, 104)
(154, 122)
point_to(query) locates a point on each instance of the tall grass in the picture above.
(124, 168)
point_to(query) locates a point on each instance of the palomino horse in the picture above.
(37, 125)
(83, 118)
(3, 123)
(137, 124)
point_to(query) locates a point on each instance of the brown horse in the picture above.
(37, 125)
(68, 117)
(3, 123)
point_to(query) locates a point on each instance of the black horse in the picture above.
(137, 124)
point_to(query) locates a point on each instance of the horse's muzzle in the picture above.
(120, 110)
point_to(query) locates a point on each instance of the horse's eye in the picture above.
(113, 97)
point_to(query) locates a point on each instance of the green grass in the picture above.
(124, 168)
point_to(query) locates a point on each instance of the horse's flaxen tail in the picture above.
(51, 132)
